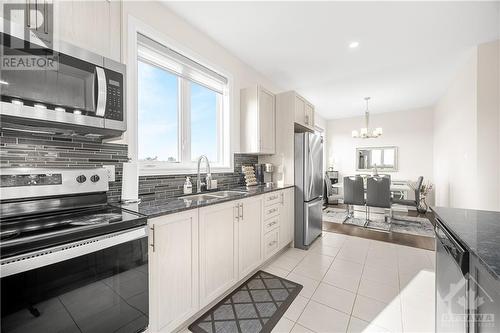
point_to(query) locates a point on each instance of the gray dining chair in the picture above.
(416, 201)
(354, 193)
(378, 193)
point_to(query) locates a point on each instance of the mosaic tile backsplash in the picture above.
(163, 187)
(22, 149)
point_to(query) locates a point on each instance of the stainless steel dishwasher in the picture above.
(452, 282)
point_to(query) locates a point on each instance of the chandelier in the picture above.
(365, 132)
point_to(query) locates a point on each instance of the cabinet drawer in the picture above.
(271, 223)
(271, 243)
(272, 198)
(271, 211)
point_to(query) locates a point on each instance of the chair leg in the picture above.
(367, 216)
(347, 215)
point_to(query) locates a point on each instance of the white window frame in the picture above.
(146, 168)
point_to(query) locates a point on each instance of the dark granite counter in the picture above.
(478, 231)
(174, 205)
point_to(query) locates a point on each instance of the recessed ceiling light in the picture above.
(353, 45)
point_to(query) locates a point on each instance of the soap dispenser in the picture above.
(188, 187)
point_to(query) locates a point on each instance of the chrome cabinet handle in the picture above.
(272, 210)
(28, 13)
(153, 238)
(237, 207)
(241, 205)
(282, 199)
(272, 243)
(45, 17)
(271, 224)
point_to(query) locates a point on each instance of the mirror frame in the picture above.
(396, 157)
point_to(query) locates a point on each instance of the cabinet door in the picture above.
(287, 217)
(173, 269)
(250, 232)
(218, 252)
(91, 25)
(484, 299)
(309, 115)
(267, 122)
(300, 109)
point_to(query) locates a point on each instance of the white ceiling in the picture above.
(408, 52)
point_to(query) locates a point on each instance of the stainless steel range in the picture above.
(69, 261)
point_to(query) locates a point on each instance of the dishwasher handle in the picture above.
(452, 246)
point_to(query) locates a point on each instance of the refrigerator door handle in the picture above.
(311, 172)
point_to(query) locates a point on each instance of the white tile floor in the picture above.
(353, 284)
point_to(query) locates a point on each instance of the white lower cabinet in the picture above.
(249, 235)
(287, 216)
(218, 252)
(271, 243)
(173, 278)
(198, 255)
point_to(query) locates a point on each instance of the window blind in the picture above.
(163, 56)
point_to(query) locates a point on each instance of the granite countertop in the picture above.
(161, 207)
(478, 231)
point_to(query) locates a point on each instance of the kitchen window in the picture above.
(182, 111)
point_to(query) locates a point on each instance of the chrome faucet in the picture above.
(208, 178)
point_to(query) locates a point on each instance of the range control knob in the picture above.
(81, 179)
(95, 178)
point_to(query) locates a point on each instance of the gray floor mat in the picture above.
(254, 307)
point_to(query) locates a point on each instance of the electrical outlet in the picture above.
(111, 172)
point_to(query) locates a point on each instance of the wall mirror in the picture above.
(383, 158)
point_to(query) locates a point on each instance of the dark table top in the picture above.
(478, 231)
(161, 207)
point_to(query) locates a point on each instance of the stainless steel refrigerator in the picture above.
(308, 188)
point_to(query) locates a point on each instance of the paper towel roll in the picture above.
(130, 182)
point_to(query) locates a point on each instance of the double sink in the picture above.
(213, 195)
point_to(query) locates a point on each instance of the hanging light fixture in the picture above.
(365, 132)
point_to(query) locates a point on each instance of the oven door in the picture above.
(97, 285)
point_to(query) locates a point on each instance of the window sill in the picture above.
(157, 171)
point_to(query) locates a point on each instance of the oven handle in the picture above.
(45, 257)
(100, 107)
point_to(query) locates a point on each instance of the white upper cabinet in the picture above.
(300, 110)
(309, 115)
(91, 25)
(173, 258)
(250, 232)
(257, 121)
(304, 111)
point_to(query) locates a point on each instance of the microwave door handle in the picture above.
(100, 107)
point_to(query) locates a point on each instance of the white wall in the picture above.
(466, 139)
(163, 20)
(411, 131)
(455, 140)
(488, 117)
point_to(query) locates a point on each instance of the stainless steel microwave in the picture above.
(68, 89)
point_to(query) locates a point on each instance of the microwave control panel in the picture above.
(115, 88)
